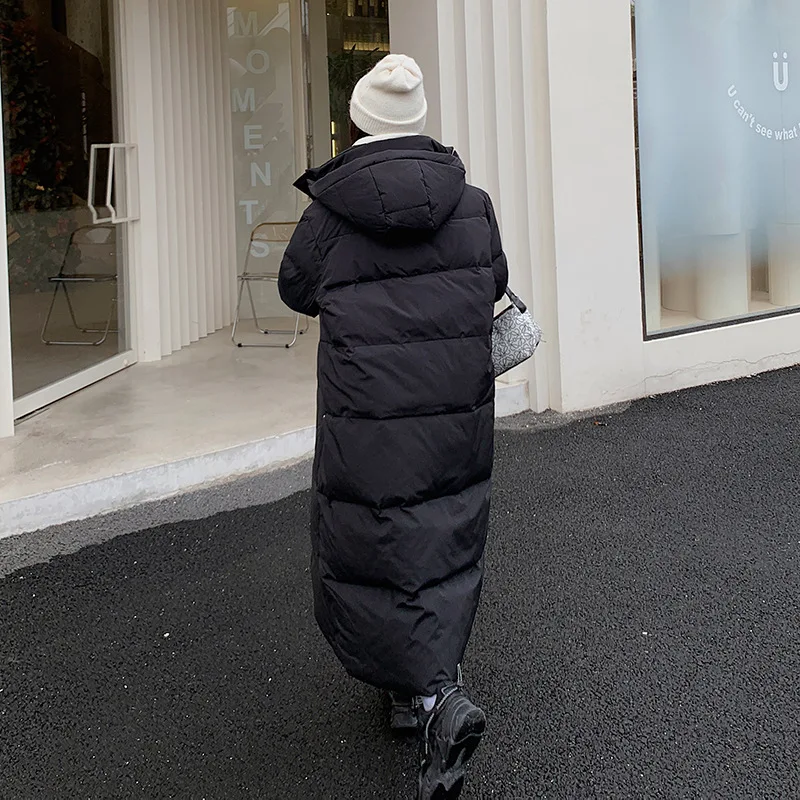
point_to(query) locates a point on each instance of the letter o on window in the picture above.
(257, 62)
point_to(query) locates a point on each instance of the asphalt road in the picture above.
(639, 635)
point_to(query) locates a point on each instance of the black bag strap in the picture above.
(518, 304)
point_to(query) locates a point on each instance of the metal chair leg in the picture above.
(253, 309)
(267, 331)
(294, 333)
(105, 331)
(108, 323)
(74, 316)
(49, 314)
(72, 310)
(236, 315)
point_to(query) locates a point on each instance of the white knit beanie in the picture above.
(390, 98)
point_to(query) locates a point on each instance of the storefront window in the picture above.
(718, 130)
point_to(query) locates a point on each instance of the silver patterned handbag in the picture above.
(515, 336)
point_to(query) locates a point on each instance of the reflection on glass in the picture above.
(57, 102)
(718, 117)
(358, 37)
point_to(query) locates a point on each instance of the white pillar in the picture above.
(144, 290)
(784, 264)
(651, 265)
(723, 276)
(678, 269)
(597, 268)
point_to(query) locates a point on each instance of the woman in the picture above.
(402, 261)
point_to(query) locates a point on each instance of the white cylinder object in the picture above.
(784, 264)
(723, 277)
(678, 264)
(651, 259)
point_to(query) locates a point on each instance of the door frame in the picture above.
(12, 410)
(6, 378)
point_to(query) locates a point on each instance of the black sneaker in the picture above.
(452, 733)
(404, 716)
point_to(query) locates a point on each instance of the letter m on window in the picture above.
(239, 26)
(246, 102)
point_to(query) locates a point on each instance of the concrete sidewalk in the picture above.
(639, 635)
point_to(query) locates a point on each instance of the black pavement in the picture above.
(639, 635)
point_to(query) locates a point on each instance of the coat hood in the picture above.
(412, 183)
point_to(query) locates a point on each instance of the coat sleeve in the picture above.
(300, 272)
(499, 262)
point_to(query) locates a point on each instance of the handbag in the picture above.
(515, 336)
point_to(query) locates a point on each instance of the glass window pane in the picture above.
(66, 274)
(356, 42)
(266, 100)
(718, 129)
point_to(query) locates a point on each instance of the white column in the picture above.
(784, 264)
(211, 15)
(677, 263)
(597, 270)
(223, 148)
(723, 276)
(163, 178)
(202, 213)
(144, 283)
(523, 157)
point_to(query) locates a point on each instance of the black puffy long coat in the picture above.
(402, 261)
